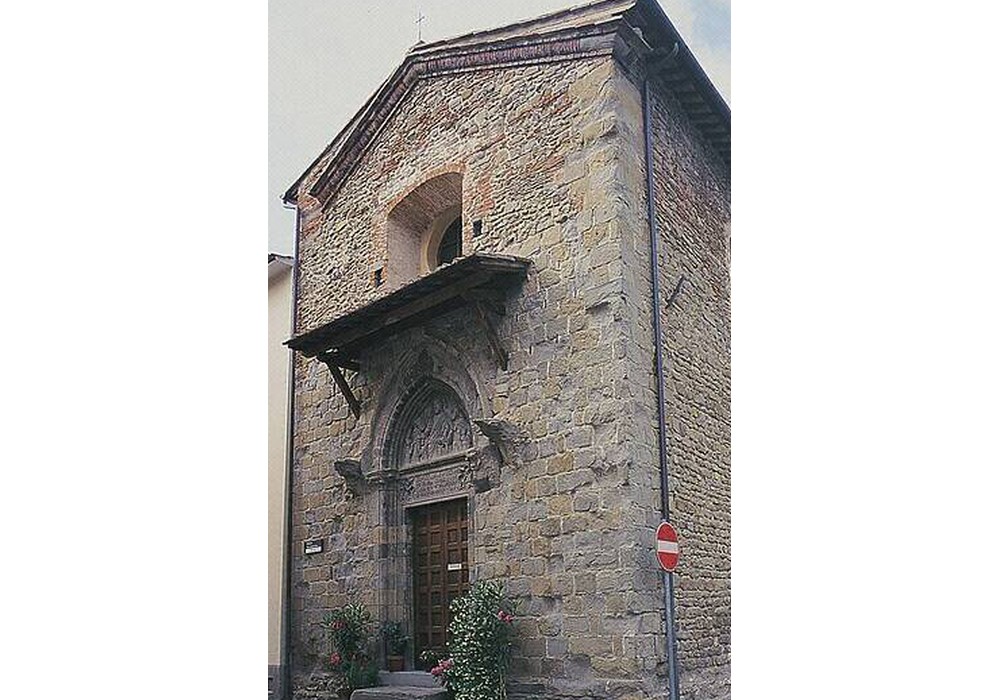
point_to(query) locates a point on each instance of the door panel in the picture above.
(440, 569)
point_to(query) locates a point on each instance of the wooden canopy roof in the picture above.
(469, 280)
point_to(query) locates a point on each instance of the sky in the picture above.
(326, 57)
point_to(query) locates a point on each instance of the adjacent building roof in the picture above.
(596, 29)
(276, 264)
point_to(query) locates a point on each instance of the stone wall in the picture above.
(549, 167)
(692, 192)
(538, 153)
(692, 209)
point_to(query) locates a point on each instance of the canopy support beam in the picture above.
(334, 364)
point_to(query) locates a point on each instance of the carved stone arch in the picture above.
(426, 358)
(431, 423)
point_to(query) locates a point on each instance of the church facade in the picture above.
(476, 384)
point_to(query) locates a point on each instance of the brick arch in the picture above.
(411, 185)
(414, 225)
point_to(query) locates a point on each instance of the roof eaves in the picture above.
(649, 15)
(586, 14)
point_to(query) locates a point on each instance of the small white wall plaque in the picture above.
(312, 546)
(455, 567)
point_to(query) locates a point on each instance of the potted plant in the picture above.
(395, 644)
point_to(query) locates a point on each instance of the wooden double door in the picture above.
(440, 569)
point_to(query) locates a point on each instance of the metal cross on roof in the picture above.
(419, 23)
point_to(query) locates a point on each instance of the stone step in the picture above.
(417, 679)
(400, 692)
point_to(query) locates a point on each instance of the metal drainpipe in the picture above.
(286, 619)
(661, 410)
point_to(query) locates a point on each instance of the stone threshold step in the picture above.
(419, 679)
(400, 692)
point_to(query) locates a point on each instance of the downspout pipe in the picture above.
(661, 409)
(286, 618)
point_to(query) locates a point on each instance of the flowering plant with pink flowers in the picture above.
(481, 637)
(349, 630)
(442, 668)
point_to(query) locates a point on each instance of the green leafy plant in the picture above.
(429, 658)
(394, 637)
(481, 637)
(349, 630)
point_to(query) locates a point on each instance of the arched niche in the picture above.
(419, 223)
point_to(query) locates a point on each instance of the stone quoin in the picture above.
(474, 354)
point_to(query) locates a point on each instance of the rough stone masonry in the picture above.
(535, 135)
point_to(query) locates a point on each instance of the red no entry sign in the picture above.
(667, 551)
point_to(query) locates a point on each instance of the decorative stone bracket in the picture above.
(504, 435)
(485, 464)
(350, 470)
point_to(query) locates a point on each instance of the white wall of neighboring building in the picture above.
(279, 314)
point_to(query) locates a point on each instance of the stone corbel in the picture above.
(503, 435)
(485, 463)
(350, 470)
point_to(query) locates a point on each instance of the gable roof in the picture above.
(605, 28)
(574, 17)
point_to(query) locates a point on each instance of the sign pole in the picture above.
(668, 602)
(668, 554)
